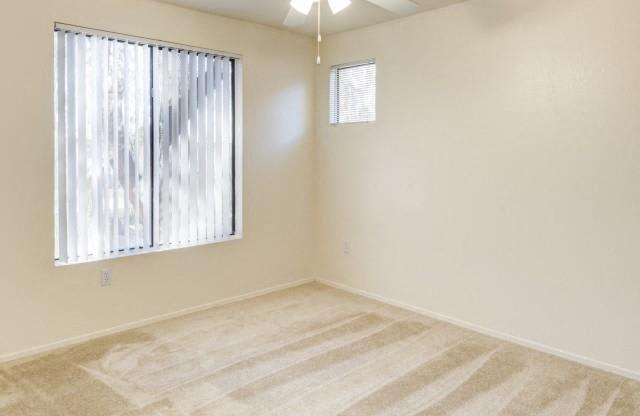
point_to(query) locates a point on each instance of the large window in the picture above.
(147, 146)
(352, 93)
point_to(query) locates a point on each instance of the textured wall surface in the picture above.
(499, 184)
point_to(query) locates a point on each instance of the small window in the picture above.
(352, 93)
(147, 146)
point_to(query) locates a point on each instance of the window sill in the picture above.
(351, 123)
(134, 252)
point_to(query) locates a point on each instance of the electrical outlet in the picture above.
(346, 247)
(105, 278)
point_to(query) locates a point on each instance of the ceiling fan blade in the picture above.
(294, 18)
(401, 7)
(337, 6)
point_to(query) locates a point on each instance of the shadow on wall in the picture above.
(492, 13)
(288, 108)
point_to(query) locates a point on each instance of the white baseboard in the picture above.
(43, 349)
(490, 332)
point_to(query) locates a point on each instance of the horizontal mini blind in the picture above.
(352, 93)
(145, 156)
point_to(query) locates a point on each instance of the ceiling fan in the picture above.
(301, 8)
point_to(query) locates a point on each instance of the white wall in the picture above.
(39, 303)
(501, 182)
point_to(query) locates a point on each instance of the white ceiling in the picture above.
(273, 12)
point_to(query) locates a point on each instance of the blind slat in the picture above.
(115, 203)
(217, 181)
(174, 149)
(166, 224)
(210, 165)
(137, 149)
(126, 209)
(61, 146)
(201, 176)
(184, 149)
(96, 151)
(71, 143)
(227, 137)
(192, 213)
(158, 117)
(106, 150)
(145, 180)
(81, 148)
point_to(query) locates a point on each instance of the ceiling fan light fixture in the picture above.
(303, 6)
(338, 5)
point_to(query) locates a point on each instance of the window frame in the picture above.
(237, 143)
(337, 68)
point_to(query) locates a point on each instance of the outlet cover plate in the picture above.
(105, 278)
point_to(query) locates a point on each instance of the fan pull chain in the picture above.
(319, 35)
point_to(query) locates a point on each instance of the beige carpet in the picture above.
(311, 350)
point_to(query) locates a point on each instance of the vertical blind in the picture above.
(145, 155)
(352, 93)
